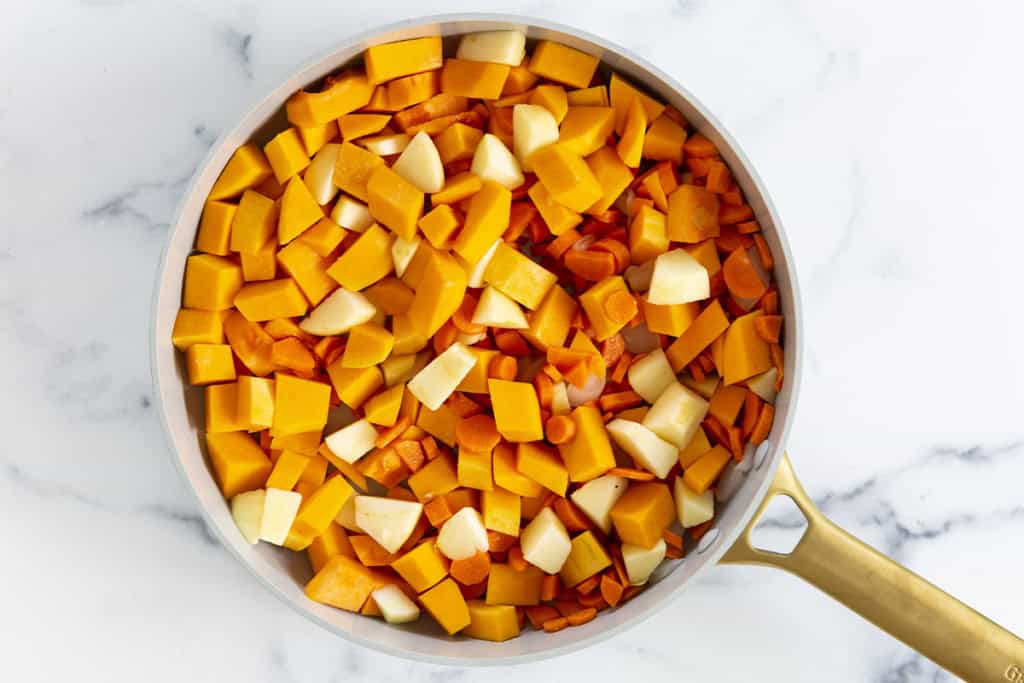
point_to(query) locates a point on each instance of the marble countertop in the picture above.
(889, 135)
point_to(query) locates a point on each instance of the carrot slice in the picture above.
(588, 586)
(595, 600)
(617, 249)
(719, 179)
(751, 411)
(620, 401)
(612, 349)
(555, 625)
(512, 343)
(619, 373)
(445, 337)
(741, 277)
(769, 327)
(748, 227)
(570, 515)
(498, 542)
(549, 587)
(699, 146)
(590, 265)
(472, 569)
(673, 540)
(560, 429)
(763, 425)
(582, 616)
(611, 590)
(462, 405)
(516, 559)
(731, 215)
(620, 307)
(558, 246)
(478, 433)
(630, 473)
(545, 389)
(541, 613)
(503, 367)
(519, 218)
(764, 252)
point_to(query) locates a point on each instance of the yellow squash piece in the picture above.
(585, 130)
(318, 510)
(703, 472)
(221, 409)
(631, 144)
(692, 214)
(259, 301)
(383, 408)
(496, 623)
(593, 302)
(670, 319)
(324, 237)
(518, 277)
(622, 95)
(394, 201)
(366, 261)
(261, 265)
(255, 405)
(566, 176)
(393, 60)
(508, 477)
(343, 582)
(286, 154)
(596, 96)
(422, 567)
(697, 336)
(613, 176)
(315, 137)
(465, 78)
(409, 90)
(368, 345)
(299, 211)
(438, 423)
(330, 543)
(698, 446)
(390, 295)
(506, 586)
(457, 142)
(552, 98)
(589, 453)
(300, 405)
(458, 187)
(586, 558)
(192, 326)
(436, 478)
(476, 381)
(555, 216)
(354, 126)
(214, 236)
(354, 385)
(439, 225)
(745, 353)
(664, 140)
(239, 463)
(446, 604)
(254, 222)
(211, 282)
(516, 411)
(340, 95)
(289, 467)
(246, 168)
(486, 220)
(474, 469)
(643, 513)
(563, 64)
(353, 168)
(647, 236)
(541, 463)
(706, 253)
(308, 269)
(550, 322)
(501, 510)
(439, 293)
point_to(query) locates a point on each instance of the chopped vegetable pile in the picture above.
(483, 335)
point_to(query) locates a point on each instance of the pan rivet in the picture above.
(707, 540)
(761, 454)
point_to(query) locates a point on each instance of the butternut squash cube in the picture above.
(506, 586)
(476, 381)
(354, 385)
(664, 140)
(422, 567)
(252, 345)
(703, 472)
(246, 168)
(567, 177)
(563, 64)
(253, 223)
(496, 623)
(506, 475)
(593, 302)
(366, 261)
(474, 469)
(286, 154)
(209, 363)
(501, 509)
(697, 336)
(340, 95)
(698, 446)
(596, 96)
(445, 603)
(408, 339)
(670, 319)
(308, 269)
(647, 235)
(556, 217)
(261, 265)
(344, 583)
(552, 98)
(368, 345)
(550, 322)
(392, 60)
(239, 464)
(438, 423)
(541, 463)
(256, 403)
(518, 277)
(585, 130)
(589, 453)
(352, 170)
(436, 478)
(622, 95)
(300, 405)
(330, 543)
(383, 408)
(324, 237)
(192, 326)
(318, 510)
(516, 411)
(439, 225)
(643, 513)
(394, 201)
(439, 293)
(631, 143)
(299, 211)
(458, 187)
(214, 236)
(465, 78)
(306, 443)
(586, 558)
(613, 176)
(353, 126)
(457, 142)
(259, 301)
(745, 353)
(289, 467)
(315, 137)
(706, 253)
(486, 220)
(221, 410)
(692, 214)
(409, 90)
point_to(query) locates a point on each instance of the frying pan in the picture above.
(892, 597)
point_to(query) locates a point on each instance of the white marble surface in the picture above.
(889, 135)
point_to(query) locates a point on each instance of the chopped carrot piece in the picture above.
(716, 430)
(549, 587)
(545, 389)
(445, 337)
(519, 217)
(478, 433)
(588, 586)
(558, 246)
(764, 424)
(512, 343)
(582, 616)
(630, 592)
(393, 432)
(769, 327)
(471, 570)
(719, 179)
(751, 411)
(595, 600)
(748, 227)
(503, 367)
(621, 367)
(473, 591)
(590, 265)
(741, 277)
(612, 349)
(673, 553)
(699, 530)
(577, 374)
(735, 442)
(437, 511)
(555, 625)
(430, 448)
(764, 252)
(516, 559)
(568, 606)
(620, 567)
(731, 215)
(673, 540)
(498, 542)
(560, 429)
(630, 473)
(620, 307)
(462, 405)
(770, 302)
(620, 401)
(570, 515)
(540, 614)
(699, 146)
(611, 590)
(617, 249)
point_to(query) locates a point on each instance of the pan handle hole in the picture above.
(781, 526)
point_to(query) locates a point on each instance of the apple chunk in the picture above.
(395, 605)
(545, 542)
(388, 521)
(651, 375)
(648, 449)
(678, 278)
(641, 562)
(597, 497)
(402, 251)
(691, 508)
(493, 161)
(500, 47)
(319, 175)
(279, 509)
(351, 214)
(533, 127)
(463, 535)
(764, 385)
(420, 164)
(352, 441)
(342, 310)
(435, 383)
(676, 415)
(247, 511)
(497, 310)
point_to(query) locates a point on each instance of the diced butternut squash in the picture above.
(585, 129)
(496, 623)
(340, 95)
(222, 409)
(259, 301)
(299, 211)
(589, 453)
(393, 60)
(612, 175)
(563, 64)
(211, 282)
(516, 410)
(703, 472)
(422, 567)
(476, 381)
(262, 264)
(664, 140)
(320, 508)
(567, 177)
(368, 345)
(436, 478)
(214, 236)
(344, 583)
(193, 326)
(239, 464)
(354, 385)
(558, 218)
(383, 408)
(445, 603)
(439, 293)
(631, 143)
(474, 469)
(586, 558)
(308, 269)
(246, 168)
(643, 513)
(601, 312)
(541, 463)
(508, 477)
(697, 336)
(486, 220)
(501, 510)
(352, 170)
(550, 322)
(647, 235)
(466, 78)
(209, 363)
(518, 277)
(329, 544)
(354, 126)
(300, 405)
(622, 95)
(256, 403)
(692, 214)
(457, 142)
(745, 352)
(506, 586)
(366, 261)
(394, 201)
(671, 319)
(286, 154)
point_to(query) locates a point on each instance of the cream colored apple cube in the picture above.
(353, 441)
(560, 399)
(648, 449)
(678, 278)
(279, 510)
(493, 161)
(338, 313)
(651, 375)
(319, 175)
(764, 385)
(395, 605)
(463, 535)
(351, 214)
(545, 542)
(346, 516)
(500, 47)
(494, 309)
(533, 127)
(386, 145)
(692, 509)
(676, 415)
(389, 521)
(641, 562)
(475, 273)
(435, 383)
(402, 251)
(597, 497)
(247, 511)
(420, 164)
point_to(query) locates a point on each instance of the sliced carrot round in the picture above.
(560, 429)
(620, 307)
(503, 367)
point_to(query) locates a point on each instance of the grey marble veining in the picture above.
(889, 137)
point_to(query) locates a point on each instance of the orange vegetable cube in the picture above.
(457, 142)
(299, 210)
(286, 154)
(516, 410)
(496, 623)
(341, 94)
(476, 381)
(585, 130)
(465, 78)
(631, 144)
(354, 385)
(698, 446)
(394, 201)
(508, 477)
(745, 353)
(211, 282)
(458, 187)
(329, 544)
(643, 512)
(409, 90)
(308, 269)
(622, 95)
(567, 177)
(589, 453)
(664, 140)
(392, 60)
(209, 363)
(563, 64)
(344, 583)
(439, 423)
(289, 467)
(192, 326)
(612, 175)
(368, 345)
(541, 463)
(501, 509)
(670, 319)
(255, 406)
(726, 402)
(353, 168)
(692, 214)
(552, 98)
(318, 510)
(300, 405)
(422, 567)
(506, 586)
(354, 126)
(383, 408)
(222, 409)
(596, 96)
(259, 301)
(586, 558)
(518, 277)
(252, 345)
(707, 255)
(366, 261)
(594, 303)
(647, 236)
(697, 336)
(439, 293)
(702, 473)
(439, 225)
(550, 322)
(214, 235)
(436, 478)
(239, 464)
(486, 220)
(246, 168)
(558, 218)
(262, 264)
(323, 237)
(474, 469)
(445, 603)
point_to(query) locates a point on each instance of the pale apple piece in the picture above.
(470, 339)
(475, 273)
(342, 310)
(351, 214)
(420, 164)
(279, 510)
(764, 385)
(560, 399)
(500, 47)
(389, 521)
(678, 278)
(352, 442)
(463, 535)
(693, 509)
(641, 562)
(346, 516)
(319, 175)
(247, 511)
(435, 383)
(533, 127)
(386, 145)
(497, 310)
(651, 375)
(402, 251)
(676, 415)
(545, 542)
(648, 449)
(493, 161)
(639, 277)
(395, 605)
(706, 387)
(597, 497)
